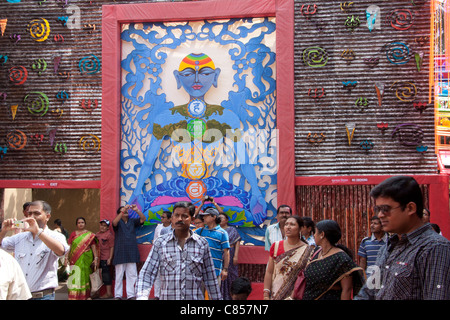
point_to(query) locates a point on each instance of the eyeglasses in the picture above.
(384, 209)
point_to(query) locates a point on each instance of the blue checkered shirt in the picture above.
(414, 266)
(183, 271)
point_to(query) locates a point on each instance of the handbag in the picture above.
(300, 283)
(96, 281)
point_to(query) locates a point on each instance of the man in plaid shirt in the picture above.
(183, 260)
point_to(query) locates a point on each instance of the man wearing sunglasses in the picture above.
(413, 265)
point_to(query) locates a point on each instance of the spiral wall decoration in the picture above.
(37, 103)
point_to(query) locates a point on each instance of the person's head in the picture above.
(292, 227)
(124, 211)
(198, 222)
(398, 204)
(104, 225)
(25, 207)
(183, 213)
(57, 223)
(308, 228)
(80, 223)
(196, 74)
(41, 211)
(283, 212)
(375, 225)
(327, 230)
(426, 215)
(165, 217)
(240, 288)
(210, 216)
(223, 220)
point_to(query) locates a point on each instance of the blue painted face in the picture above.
(197, 83)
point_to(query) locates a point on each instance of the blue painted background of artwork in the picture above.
(142, 107)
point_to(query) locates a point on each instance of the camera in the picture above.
(19, 224)
(208, 198)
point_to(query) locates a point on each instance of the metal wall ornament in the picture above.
(408, 134)
(37, 103)
(382, 126)
(400, 19)
(373, 16)
(17, 140)
(316, 93)
(14, 111)
(397, 53)
(418, 57)
(40, 65)
(352, 23)
(3, 151)
(39, 29)
(3, 23)
(348, 55)
(362, 103)
(422, 149)
(371, 62)
(18, 75)
(379, 88)
(308, 10)
(61, 148)
(3, 59)
(421, 106)
(349, 85)
(366, 145)
(350, 129)
(90, 143)
(405, 91)
(316, 138)
(315, 57)
(89, 64)
(346, 6)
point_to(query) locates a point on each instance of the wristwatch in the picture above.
(39, 232)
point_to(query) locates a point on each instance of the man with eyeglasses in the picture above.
(413, 265)
(275, 232)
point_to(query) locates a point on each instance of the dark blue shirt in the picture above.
(125, 243)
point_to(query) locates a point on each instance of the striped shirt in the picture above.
(218, 241)
(273, 234)
(183, 271)
(414, 266)
(369, 248)
(39, 264)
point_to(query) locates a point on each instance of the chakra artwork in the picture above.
(199, 118)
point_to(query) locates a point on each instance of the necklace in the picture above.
(324, 254)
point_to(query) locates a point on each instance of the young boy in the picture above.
(106, 242)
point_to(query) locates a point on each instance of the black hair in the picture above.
(80, 218)
(300, 224)
(25, 205)
(168, 214)
(436, 227)
(185, 204)
(308, 222)
(241, 285)
(401, 189)
(333, 233)
(284, 206)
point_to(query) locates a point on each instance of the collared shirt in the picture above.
(125, 244)
(273, 234)
(414, 266)
(13, 285)
(39, 264)
(218, 241)
(183, 271)
(369, 248)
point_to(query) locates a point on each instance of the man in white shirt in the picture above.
(37, 251)
(13, 285)
(275, 232)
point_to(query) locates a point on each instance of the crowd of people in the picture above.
(195, 255)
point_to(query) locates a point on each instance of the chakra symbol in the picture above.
(400, 19)
(405, 91)
(196, 189)
(397, 53)
(352, 23)
(18, 75)
(39, 29)
(38, 103)
(90, 142)
(315, 57)
(17, 139)
(89, 64)
(408, 134)
(316, 138)
(362, 103)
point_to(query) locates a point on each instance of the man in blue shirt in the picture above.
(368, 250)
(218, 241)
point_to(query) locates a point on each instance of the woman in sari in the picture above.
(287, 258)
(82, 255)
(332, 274)
(233, 272)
